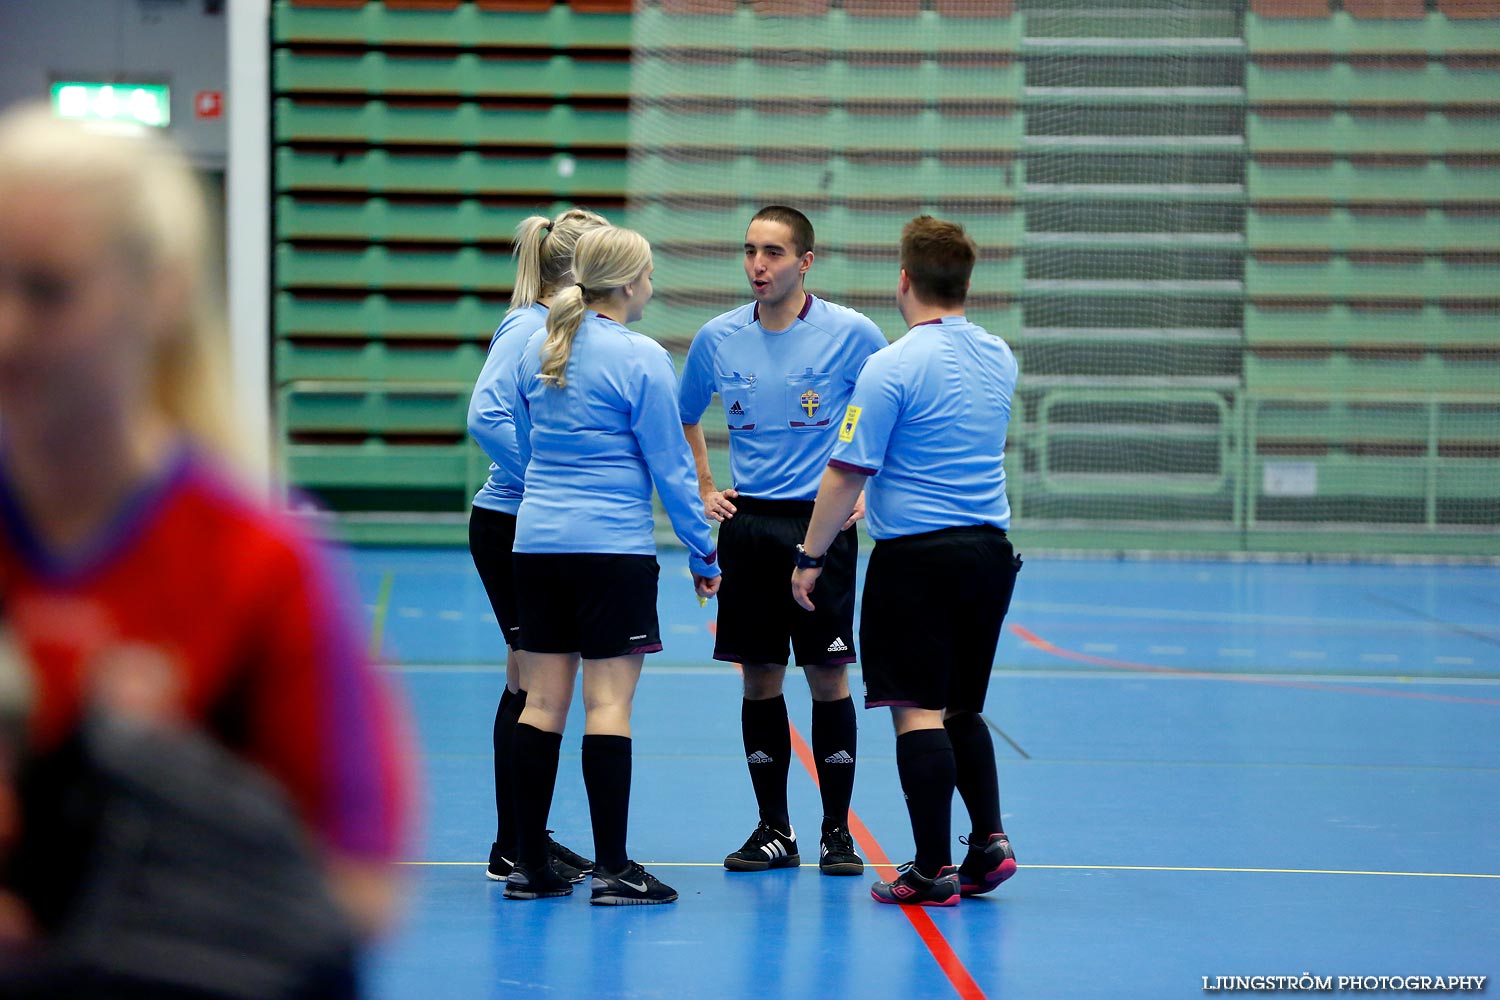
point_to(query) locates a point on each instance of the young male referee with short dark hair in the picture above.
(924, 435)
(783, 366)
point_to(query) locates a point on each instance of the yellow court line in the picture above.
(382, 608)
(1086, 868)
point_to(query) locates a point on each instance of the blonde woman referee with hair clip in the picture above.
(596, 427)
(544, 266)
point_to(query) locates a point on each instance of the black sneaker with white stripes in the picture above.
(632, 887)
(836, 854)
(766, 848)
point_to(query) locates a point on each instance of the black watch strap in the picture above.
(805, 561)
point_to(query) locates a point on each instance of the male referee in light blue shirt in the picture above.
(924, 437)
(783, 366)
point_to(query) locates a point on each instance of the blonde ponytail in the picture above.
(544, 253)
(563, 321)
(605, 259)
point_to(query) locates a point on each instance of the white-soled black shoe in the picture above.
(632, 887)
(766, 848)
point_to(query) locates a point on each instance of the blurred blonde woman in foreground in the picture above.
(132, 560)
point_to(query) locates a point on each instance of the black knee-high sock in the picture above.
(974, 763)
(606, 777)
(768, 752)
(511, 704)
(534, 754)
(924, 758)
(835, 737)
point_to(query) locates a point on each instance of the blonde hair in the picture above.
(603, 261)
(544, 253)
(142, 190)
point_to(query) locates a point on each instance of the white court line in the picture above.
(1081, 868)
(1167, 650)
(1100, 647)
(1020, 610)
(1454, 661)
(722, 669)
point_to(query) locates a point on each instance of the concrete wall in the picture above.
(179, 42)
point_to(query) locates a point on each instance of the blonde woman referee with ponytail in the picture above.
(544, 266)
(596, 428)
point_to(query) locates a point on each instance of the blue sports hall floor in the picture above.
(1207, 769)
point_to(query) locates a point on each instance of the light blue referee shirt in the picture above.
(593, 450)
(492, 423)
(783, 393)
(927, 423)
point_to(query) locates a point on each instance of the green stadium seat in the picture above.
(1357, 131)
(459, 123)
(1389, 83)
(444, 220)
(1377, 227)
(466, 269)
(376, 409)
(464, 74)
(376, 361)
(1409, 276)
(323, 315)
(1374, 370)
(1348, 182)
(467, 173)
(1336, 324)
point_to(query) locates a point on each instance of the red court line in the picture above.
(921, 921)
(1035, 640)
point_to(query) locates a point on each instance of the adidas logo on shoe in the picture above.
(837, 646)
(842, 757)
(759, 757)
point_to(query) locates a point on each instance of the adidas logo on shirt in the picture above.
(736, 410)
(759, 757)
(837, 646)
(842, 757)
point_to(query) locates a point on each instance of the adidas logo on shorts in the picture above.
(759, 757)
(837, 645)
(842, 757)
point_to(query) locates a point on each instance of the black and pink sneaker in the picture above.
(912, 888)
(986, 867)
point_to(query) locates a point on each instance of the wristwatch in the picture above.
(805, 561)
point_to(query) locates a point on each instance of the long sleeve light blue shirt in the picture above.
(492, 422)
(593, 450)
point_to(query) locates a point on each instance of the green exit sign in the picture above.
(124, 103)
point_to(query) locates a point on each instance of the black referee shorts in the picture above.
(597, 604)
(492, 534)
(758, 620)
(933, 607)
